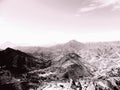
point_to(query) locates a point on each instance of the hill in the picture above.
(19, 62)
(71, 65)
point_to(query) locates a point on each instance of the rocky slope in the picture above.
(95, 66)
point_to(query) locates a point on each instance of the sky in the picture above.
(48, 22)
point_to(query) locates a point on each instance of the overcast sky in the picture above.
(48, 22)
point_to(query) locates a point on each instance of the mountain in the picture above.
(19, 62)
(16, 61)
(73, 66)
(72, 45)
(54, 51)
(14, 69)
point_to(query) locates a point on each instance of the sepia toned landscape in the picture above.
(59, 44)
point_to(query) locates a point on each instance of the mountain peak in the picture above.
(74, 44)
(73, 41)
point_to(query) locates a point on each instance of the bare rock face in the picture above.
(73, 66)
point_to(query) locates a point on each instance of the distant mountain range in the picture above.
(70, 46)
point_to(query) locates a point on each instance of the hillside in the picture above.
(88, 63)
(73, 65)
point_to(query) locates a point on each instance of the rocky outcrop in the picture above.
(73, 66)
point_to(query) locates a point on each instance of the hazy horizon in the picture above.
(15, 45)
(50, 22)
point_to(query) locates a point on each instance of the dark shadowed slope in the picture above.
(20, 62)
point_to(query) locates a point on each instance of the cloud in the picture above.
(86, 9)
(108, 2)
(96, 4)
